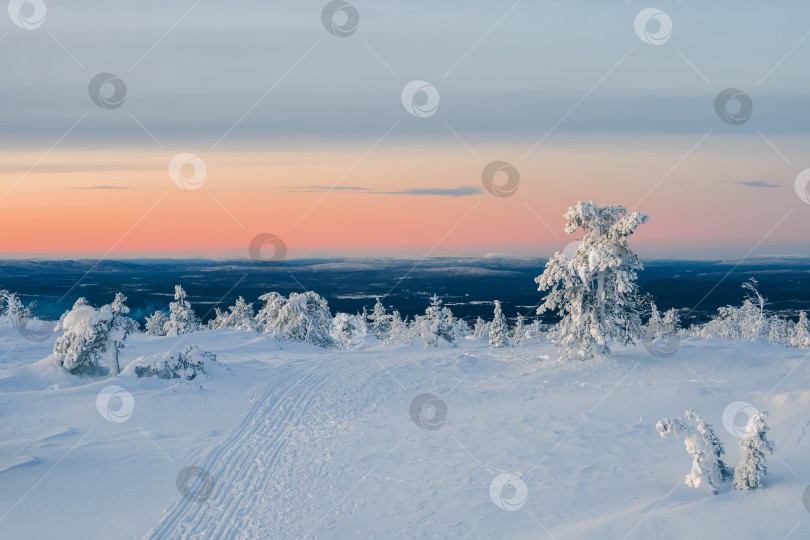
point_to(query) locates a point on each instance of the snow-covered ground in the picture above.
(305, 443)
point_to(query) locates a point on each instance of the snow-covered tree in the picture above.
(400, 330)
(121, 326)
(460, 329)
(182, 319)
(671, 322)
(81, 301)
(305, 317)
(435, 327)
(380, 321)
(481, 329)
(156, 324)
(349, 331)
(704, 447)
(751, 468)
(595, 291)
(654, 329)
(519, 331)
(498, 331)
(82, 346)
(267, 317)
(15, 311)
(238, 317)
(800, 337)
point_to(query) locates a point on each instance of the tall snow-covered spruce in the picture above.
(498, 331)
(595, 291)
(182, 319)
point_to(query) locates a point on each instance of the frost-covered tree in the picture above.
(595, 291)
(498, 331)
(238, 317)
(800, 337)
(702, 444)
(82, 346)
(519, 331)
(460, 329)
(15, 310)
(481, 329)
(400, 330)
(672, 322)
(380, 321)
(435, 327)
(267, 317)
(156, 324)
(121, 326)
(182, 319)
(534, 332)
(304, 317)
(654, 329)
(751, 468)
(349, 331)
(81, 301)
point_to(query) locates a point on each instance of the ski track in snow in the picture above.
(258, 475)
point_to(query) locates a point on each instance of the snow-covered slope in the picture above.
(301, 442)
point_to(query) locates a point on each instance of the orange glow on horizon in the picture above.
(123, 202)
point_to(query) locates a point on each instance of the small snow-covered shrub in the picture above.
(751, 468)
(704, 447)
(175, 365)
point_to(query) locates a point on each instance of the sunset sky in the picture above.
(304, 133)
